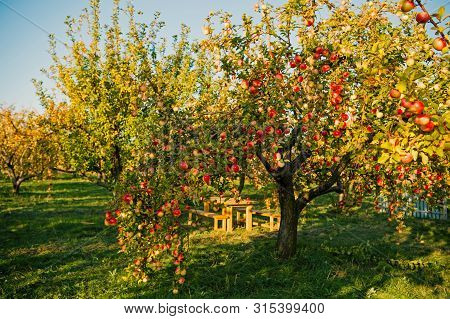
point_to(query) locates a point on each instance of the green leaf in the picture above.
(402, 86)
(424, 158)
(383, 158)
(441, 12)
(386, 145)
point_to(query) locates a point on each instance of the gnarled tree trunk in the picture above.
(287, 235)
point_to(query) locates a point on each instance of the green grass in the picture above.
(54, 245)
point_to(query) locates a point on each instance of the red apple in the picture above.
(184, 166)
(337, 133)
(300, 79)
(296, 89)
(207, 179)
(253, 90)
(112, 221)
(333, 57)
(406, 103)
(422, 17)
(298, 59)
(303, 66)
(127, 198)
(309, 22)
(235, 168)
(407, 6)
(407, 158)
(177, 213)
(272, 113)
(428, 128)
(325, 68)
(293, 64)
(245, 84)
(279, 76)
(416, 107)
(422, 119)
(439, 44)
(257, 83)
(395, 94)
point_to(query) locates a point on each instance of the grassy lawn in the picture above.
(54, 245)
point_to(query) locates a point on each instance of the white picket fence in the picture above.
(422, 209)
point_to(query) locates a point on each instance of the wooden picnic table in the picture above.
(226, 217)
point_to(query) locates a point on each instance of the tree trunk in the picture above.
(287, 235)
(16, 185)
(241, 182)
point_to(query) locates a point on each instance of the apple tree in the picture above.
(355, 103)
(27, 146)
(108, 84)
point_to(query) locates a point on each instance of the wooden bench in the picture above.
(216, 217)
(272, 216)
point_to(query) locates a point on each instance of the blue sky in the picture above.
(23, 46)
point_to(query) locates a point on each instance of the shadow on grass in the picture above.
(50, 250)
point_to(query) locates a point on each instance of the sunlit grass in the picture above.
(54, 245)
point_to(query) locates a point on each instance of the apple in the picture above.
(235, 168)
(422, 119)
(303, 66)
(416, 107)
(245, 84)
(259, 133)
(344, 117)
(112, 221)
(127, 198)
(108, 215)
(439, 44)
(269, 130)
(428, 127)
(279, 76)
(293, 64)
(298, 59)
(422, 17)
(272, 113)
(253, 90)
(407, 6)
(223, 135)
(184, 166)
(177, 213)
(207, 179)
(406, 103)
(337, 133)
(325, 68)
(395, 94)
(407, 158)
(300, 79)
(309, 22)
(296, 89)
(181, 280)
(380, 182)
(333, 57)
(257, 83)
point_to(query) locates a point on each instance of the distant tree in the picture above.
(110, 84)
(27, 148)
